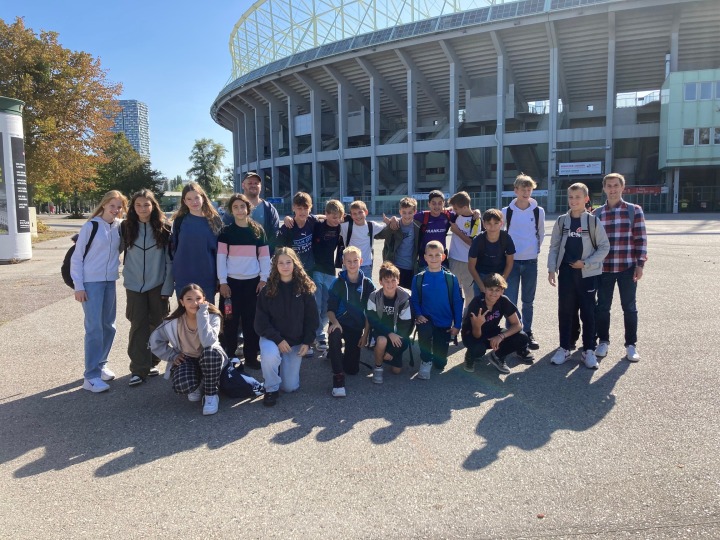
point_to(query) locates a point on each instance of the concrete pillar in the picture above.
(453, 133)
(374, 140)
(316, 141)
(342, 132)
(610, 97)
(500, 130)
(411, 127)
(552, 129)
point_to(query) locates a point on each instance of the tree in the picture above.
(69, 107)
(176, 184)
(206, 157)
(127, 171)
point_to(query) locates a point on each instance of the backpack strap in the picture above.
(536, 213)
(94, 231)
(349, 232)
(508, 218)
(592, 229)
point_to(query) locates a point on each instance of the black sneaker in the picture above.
(526, 357)
(270, 398)
(499, 363)
(533, 345)
(469, 364)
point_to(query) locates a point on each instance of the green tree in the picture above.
(69, 106)
(127, 171)
(176, 184)
(207, 166)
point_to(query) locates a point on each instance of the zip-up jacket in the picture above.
(402, 319)
(349, 300)
(164, 342)
(393, 238)
(102, 262)
(146, 265)
(287, 316)
(592, 255)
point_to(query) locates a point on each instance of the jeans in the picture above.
(367, 270)
(145, 312)
(434, 343)
(323, 282)
(280, 370)
(573, 291)
(628, 292)
(99, 311)
(244, 301)
(477, 347)
(523, 273)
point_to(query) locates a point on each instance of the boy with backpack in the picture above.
(390, 316)
(438, 316)
(360, 232)
(525, 223)
(346, 306)
(401, 242)
(577, 249)
(491, 252)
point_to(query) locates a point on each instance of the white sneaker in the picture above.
(602, 349)
(560, 356)
(107, 374)
(377, 375)
(197, 394)
(631, 354)
(321, 346)
(424, 371)
(589, 359)
(210, 405)
(340, 392)
(95, 385)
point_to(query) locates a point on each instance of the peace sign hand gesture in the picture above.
(479, 319)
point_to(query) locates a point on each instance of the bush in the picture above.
(42, 227)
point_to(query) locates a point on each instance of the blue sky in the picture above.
(173, 56)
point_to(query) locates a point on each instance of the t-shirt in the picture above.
(459, 249)
(325, 242)
(403, 255)
(361, 238)
(490, 256)
(258, 214)
(436, 229)
(301, 240)
(502, 308)
(387, 318)
(573, 245)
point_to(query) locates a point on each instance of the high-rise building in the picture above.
(133, 122)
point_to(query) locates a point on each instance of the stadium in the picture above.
(378, 100)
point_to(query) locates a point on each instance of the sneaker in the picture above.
(270, 398)
(338, 385)
(589, 359)
(377, 375)
(310, 353)
(499, 363)
(631, 354)
(602, 349)
(135, 380)
(210, 405)
(95, 385)
(560, 356)
(197, 394)
(526, 356)
(321, 346)
(469, 364)
(339, 392)
(424, 371)
(371, 343)
(533, 345)
(154, 372)
(107, 374)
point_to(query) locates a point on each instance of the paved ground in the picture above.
(627, 451)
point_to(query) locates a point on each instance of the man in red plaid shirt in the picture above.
(624, 224)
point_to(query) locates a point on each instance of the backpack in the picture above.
(426, 220)
(536, 213)
(235, 384)
(592, 228)
(65, 268)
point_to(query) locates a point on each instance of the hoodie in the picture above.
(102, 262)
(525, 233)
(147, 266)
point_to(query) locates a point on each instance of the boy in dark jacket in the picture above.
(347, 301)
(390, 316)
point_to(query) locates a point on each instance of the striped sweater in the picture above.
(241, 254)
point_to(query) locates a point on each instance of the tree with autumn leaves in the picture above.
(69, 109)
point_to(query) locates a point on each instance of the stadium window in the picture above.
(717, 89)
(716, 139)
(705, 90)
(690, 91)
(688, 137)
(704, 136)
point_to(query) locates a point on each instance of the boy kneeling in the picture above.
(390, 316)
(481, 327)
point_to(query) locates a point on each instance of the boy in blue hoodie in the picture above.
(347, 301)
(437, 303)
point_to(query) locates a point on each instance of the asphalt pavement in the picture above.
(627, 451)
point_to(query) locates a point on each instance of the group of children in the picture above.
(282, 291)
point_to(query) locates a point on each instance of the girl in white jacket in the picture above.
(189, 339)
(94, 275)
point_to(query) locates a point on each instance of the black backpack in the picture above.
(65, 268)
(236, 385)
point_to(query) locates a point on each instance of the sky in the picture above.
(173, 56)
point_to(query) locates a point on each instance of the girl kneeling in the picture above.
(189, 339)
(286, 320)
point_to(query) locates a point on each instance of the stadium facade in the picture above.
(380, 100)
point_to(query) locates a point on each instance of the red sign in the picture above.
(643, 190)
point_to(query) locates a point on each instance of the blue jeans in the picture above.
(628, 292)
(367, 270)
(323, 282)
(280, 370)
(525, 273)
(99, 311)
